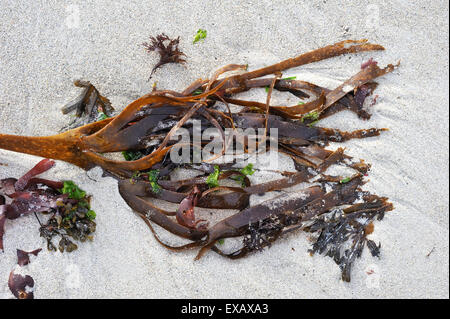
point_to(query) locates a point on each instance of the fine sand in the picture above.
(45, 45)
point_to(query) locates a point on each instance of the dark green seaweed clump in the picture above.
(166, 48)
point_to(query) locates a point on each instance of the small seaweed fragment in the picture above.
(73, 218)
(200, 35)
(102, 116)
(246, 171)
(153, 176)
(132, 155)
(23, 257)
(91, 214)
(2, 225)
(72, 190)
(311, 118)
(431, 251)
(90, 106)
(21, 286)
(66, 244)
(345, 180)
(185, 213)
(169, 53)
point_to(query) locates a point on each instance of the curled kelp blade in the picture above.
(167, 49)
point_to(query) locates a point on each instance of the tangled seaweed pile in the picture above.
(334, 208)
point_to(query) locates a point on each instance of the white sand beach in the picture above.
(46, 45)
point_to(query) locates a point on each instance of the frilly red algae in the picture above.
(185, 213)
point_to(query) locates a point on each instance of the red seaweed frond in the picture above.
(169, 53)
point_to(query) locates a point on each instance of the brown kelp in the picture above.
(334, 208)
